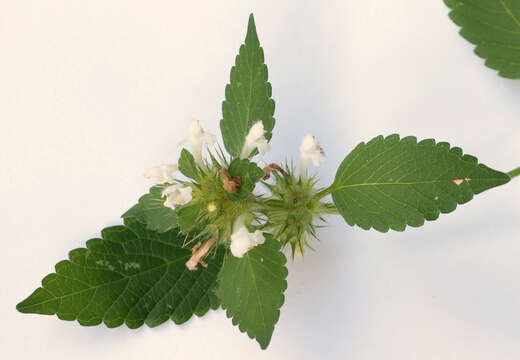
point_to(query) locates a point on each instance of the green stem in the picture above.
(325, 192)
(514, 172)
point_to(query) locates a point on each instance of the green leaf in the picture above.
(494, 26)
(248, 95)
(187, 215)
(151, 210)
(187, 165)
(135, 211)
(250, 174)
(131, 275)
(389, 183)
(251, 289)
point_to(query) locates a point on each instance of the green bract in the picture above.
(294, 210)
(217, 236)
(151, 210)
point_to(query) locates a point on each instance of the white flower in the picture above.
(162, 173)
(255, 139)
(176, 195)
(257, 237)
(242, 240)
(197, 137)
(310, 149)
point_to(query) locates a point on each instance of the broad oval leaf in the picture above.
(248, 95)
(131, 275)
(251, 289)
(151, 210)
(494, 26)
(389, 183)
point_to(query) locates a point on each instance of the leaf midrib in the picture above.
(510, 13)
(251, 72)
(400, 183)
(166, 264)
(256, 291)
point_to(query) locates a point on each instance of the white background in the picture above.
(92, 93)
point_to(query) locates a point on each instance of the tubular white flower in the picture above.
(257, 238)
(242, 240)
(310, 149)
(176, 195)
(162, 173)
(255, 139)
(197, 137)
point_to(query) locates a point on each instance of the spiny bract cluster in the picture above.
(219, 205)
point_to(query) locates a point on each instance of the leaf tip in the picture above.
(263, 344)
(251, 30)
(41, 301)
(20, 308)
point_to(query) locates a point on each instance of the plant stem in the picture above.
(514, 172)
(325, 192)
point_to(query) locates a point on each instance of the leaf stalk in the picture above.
(514, 172)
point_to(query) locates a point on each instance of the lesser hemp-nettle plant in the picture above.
(216, 236)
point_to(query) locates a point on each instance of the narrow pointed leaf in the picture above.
(248, 95)
(251, 289)
(389, 183)
(494, 26)
(187, 165)
(151, 211)
(131, 275)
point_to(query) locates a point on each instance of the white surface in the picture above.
(92, 93)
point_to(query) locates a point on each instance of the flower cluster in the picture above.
(228, 213)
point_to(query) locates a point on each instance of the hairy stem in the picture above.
(325, 192)
(514, 172)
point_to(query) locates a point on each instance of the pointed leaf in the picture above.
(152, 212)
(187, 215)
(131, 275)
(187, 165)
(251, 289)
(248, 95)
(389, 183)
(135, 211)
(494, 26)
(249, 173)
